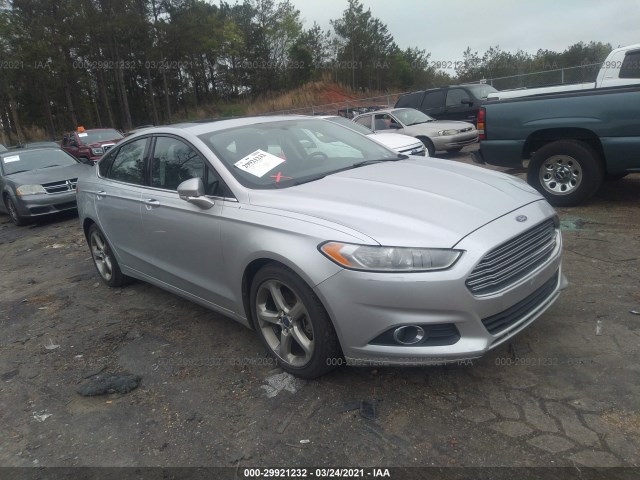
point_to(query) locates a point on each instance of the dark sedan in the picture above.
(36, 182)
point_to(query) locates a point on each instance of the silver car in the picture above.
(437, 135)
(335, 249)
(38, 181)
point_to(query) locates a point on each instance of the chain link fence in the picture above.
(352, 107)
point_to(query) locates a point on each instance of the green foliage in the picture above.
(121, 63)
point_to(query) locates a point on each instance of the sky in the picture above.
(447, 27)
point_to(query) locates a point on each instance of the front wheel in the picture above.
(292, 323)
(566, 172)
(428, 144)
(16, 218)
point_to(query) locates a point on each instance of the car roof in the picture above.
(207, 126)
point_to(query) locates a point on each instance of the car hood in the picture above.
(437, 125)
(416, 203)
(48, 175)
(395, 141)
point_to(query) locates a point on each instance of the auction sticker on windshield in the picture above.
(83, 134)
(13, 158)
(259, 163)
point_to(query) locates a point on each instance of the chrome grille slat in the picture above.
(62, 186)
(513, 260)
(502, 262)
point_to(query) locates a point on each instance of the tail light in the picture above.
(482, 115)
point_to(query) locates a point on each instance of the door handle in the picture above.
(100, 194)
(152, 202)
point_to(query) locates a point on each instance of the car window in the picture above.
(409, 100)
(481, 91)
(174, 162)
(630, 67)
(365, 121)
(455, 96)
(433, 99)
(128, 165)
(383, 121)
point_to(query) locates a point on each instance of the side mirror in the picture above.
(192, 191)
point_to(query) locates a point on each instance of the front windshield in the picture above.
(284, 153)
(352, 125)
(33, 160)
(410, 116)
(95, 136)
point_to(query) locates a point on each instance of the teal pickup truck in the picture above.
(573, 140)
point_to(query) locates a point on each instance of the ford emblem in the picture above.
(521, 218)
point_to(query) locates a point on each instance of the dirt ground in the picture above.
(565, 392)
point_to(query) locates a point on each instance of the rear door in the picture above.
(433, 103)
(117, 202)
(183, 246)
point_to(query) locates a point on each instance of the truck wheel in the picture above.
(566, 172)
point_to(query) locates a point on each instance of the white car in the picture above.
(395, 141)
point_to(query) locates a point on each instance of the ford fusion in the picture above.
(332, 247)
(39, 181)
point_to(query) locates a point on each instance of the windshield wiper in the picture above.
(369, 162)
(418, 123)
(17, 171)
(48, 166)
(355, 165)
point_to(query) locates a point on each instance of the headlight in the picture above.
(389, 259)
(97, 151)
(30, 190)
(443, 133)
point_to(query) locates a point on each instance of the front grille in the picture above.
(60, 187)
(65, 206)
(419, 151)
(503, 320)
(513, 260)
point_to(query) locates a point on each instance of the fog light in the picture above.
(408, 334)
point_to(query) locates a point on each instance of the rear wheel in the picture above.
(292, 323)
(16, 218)
(104, 260)
(566, 172)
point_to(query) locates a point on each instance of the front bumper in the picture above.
(455, 141)
(45, 204)
(365, 305)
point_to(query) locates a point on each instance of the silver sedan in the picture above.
(335, 249)
(437, 135)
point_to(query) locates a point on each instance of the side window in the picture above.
(105, 162)
(455, 96)
(65, 141)
(409, 100)
(384, 121)
(128, 164)
(433, 100)
(174, 162)
(630, 67)
(366, 121)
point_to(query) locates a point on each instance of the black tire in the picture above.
(454, 150)
(104, 260)
(312, 324)
(12, 210)
(566, 172)
(431, 150)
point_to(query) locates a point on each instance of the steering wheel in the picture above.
(319, 155)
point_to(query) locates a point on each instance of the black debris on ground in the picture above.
(113, 383)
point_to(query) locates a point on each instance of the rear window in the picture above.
(481, 91)
(410, 100)
(630, 65)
